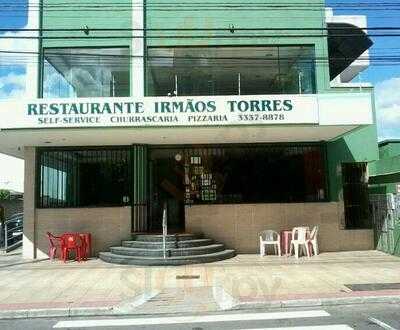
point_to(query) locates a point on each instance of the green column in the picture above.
(140, 188)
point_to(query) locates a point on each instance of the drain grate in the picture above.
(373, 286)
(187, 277)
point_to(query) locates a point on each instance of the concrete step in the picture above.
(159, 238)
(172, 252)
(172, 261)
(170, 244)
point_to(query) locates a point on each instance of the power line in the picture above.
(232, 36)
(197, 6)
(344, 28)
(280, 5)
(91, 58)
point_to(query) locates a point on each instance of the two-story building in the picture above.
(241, 117)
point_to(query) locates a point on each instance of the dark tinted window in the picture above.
(79, 178)
(238, 174)
(189, 71)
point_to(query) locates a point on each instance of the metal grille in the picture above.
(140, 188)
(248, 173)
(83, 177)
(385, 213)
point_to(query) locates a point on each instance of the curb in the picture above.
(116, 311)
(56, 312)
(275, 304)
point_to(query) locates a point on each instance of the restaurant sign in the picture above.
(160, 111)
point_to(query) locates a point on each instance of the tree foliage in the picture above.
(4, 194)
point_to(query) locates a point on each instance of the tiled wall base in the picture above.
(237, 226)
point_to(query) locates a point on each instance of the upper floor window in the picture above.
(191, 71)
(86, 72)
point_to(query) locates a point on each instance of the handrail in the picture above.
(165, 230)
(12, 234)
(15, 218)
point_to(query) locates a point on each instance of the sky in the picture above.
(386, 79)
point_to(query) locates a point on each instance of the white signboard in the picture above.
(160, 111)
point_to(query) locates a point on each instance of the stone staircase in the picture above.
(182, 249)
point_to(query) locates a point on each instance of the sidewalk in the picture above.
(246, 281)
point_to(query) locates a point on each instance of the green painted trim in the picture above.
(349, 132)
(40, 50)
(388, 141)
(140, 180)
(384, 174)
(87, 47)
(43, 50)
(38, 154)
(233, 145)
(237, 46)
(327, 173)
(145, 48)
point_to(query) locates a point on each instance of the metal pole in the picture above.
(300, 82)
(176, 85)
(165, 230)
(5, 236)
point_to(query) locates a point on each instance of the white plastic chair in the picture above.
(299, 239)
(313, 239)
(270, 237)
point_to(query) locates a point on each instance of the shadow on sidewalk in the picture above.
(14, 258)
(23, 263)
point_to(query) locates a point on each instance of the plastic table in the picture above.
(286, 237)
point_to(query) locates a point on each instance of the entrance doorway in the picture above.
(166, 188)
(355, 195)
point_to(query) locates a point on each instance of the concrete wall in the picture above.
(108, 226)
(29, 238)
(238, 226)
(359, 145)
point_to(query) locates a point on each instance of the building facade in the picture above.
(239, 117)
(385, 172)
(384, 191)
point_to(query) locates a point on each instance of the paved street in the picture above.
(373, 316)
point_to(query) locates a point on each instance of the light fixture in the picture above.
(178, 157)
(86, 30)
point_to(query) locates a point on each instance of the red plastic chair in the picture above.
(72, 242)
(55, 243)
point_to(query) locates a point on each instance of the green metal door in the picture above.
(140, 188)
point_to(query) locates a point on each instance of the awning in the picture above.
(346, 43)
